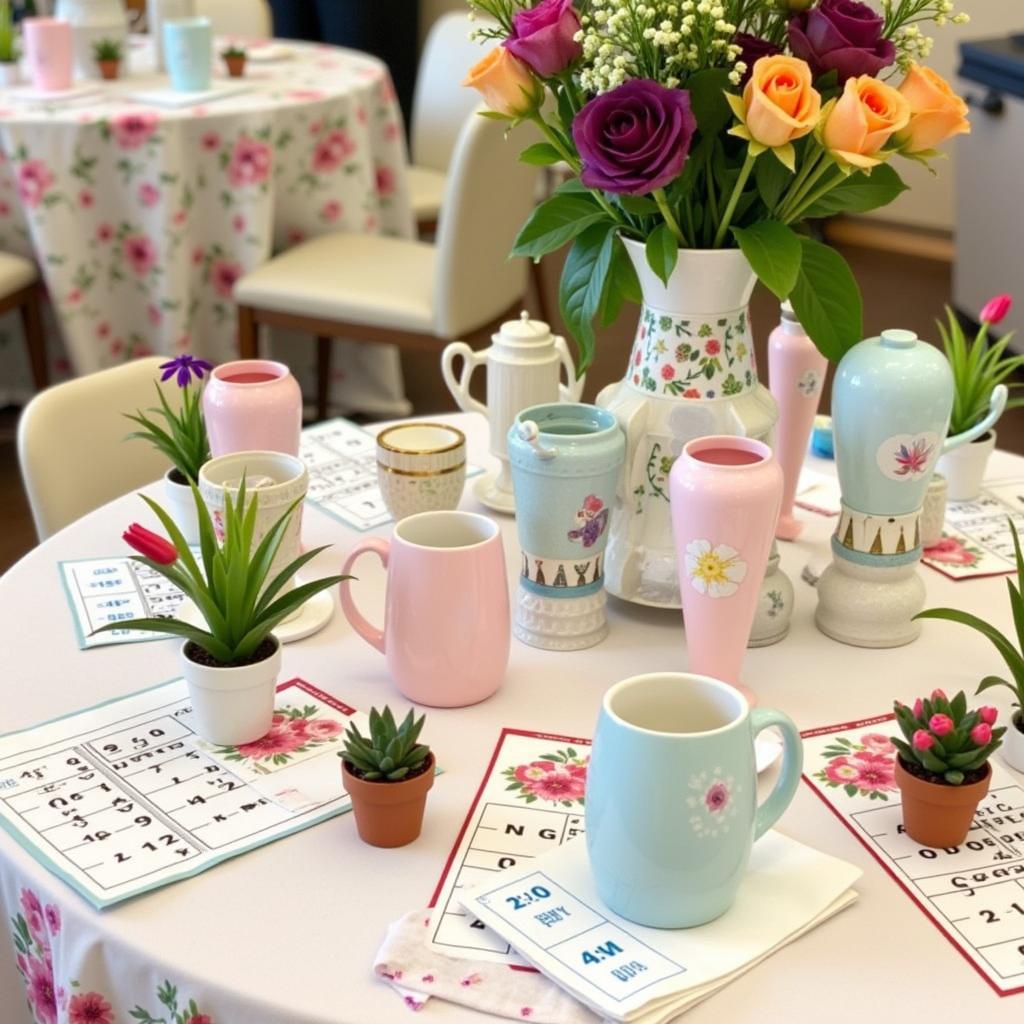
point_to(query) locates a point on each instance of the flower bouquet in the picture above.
(711, 124)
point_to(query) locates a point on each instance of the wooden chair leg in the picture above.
(248, 333)
(323, 374)
(35, 339)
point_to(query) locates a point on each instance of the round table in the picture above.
(142, 215)
(287, 934)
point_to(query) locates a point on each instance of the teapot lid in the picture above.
(525, 329)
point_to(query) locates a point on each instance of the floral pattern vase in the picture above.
(691, 373)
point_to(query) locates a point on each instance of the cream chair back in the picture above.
(248, 19)
(488, 196)
(71, 443)
(441, 103)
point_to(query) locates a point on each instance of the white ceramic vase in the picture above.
(1013, 744)
(91, 21)
(691, 373)
(232, 705)
(10, 74)
(181, 507)
(964, 467)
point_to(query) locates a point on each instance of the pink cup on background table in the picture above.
(49, 50)
(253, 405)
(447, 624)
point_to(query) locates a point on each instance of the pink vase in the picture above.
(49, 50)
(253, 405)
(725, 494)
(796, 375)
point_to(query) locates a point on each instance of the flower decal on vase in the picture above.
(591, 520)
(809, 383)
(714, 570)
(906, 456)
(711, 803)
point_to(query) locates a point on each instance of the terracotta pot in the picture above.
(936, 815)
(389, 813)
(109, 69)
(235, 66)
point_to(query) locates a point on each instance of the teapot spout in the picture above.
(996, 407)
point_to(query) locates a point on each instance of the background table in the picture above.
(287, 934)
(142, 217)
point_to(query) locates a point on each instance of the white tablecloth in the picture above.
(286, 934)
(143, 216)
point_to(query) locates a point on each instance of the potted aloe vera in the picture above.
(942, 766)
(1011, 651)
(232, 665)
(387, 774)
(181, 435)
(234, 57)
(108, 54)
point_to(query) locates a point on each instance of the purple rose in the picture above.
(842, 34)
(752, 49)
(634, 138)
(542, 37)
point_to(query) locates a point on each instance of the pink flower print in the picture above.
(34, 181)
(370, 223)
(224, 274)
(951, 551)
(331, 150)
(385, 181)
(323, 728)
(361, 114)
(427, 979)
(198, 255)
(117, 346)
(471, 979)
(877, 743)
(149, 194)
(74, 296)
(210, 141)
(877, 771)
(104, 233)
(200, 110)
(5, 209)
(131, 131)
(533, 771)
(913, 459)
(238, 223)
(558, 785)
(52, 915)
(299, 726)
(200, 1018)
(41, 995)
(179, 218)
(86, 200)
(668, 372)
(103, 329)
(30, 902)
(306, 94)
(277, 741)
(712, 348)
(154, 314)
(295, 236)
(526, 1011)
(840, 771)
(636, 378)
(331, 211)
(140, 253)
(637, 358)
(91, 1008)
(316, 127)
(691, 393)
(413, 1003)
(391, 131)
(717, 797)
(250, 162)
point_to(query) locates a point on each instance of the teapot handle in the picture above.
(460, 388)
(996, 406)
(571, 391)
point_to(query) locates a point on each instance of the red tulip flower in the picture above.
(995, 309)
(151, 544)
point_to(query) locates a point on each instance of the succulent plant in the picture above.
(944, 738)
(390, 752)
(107, 49)
(232, 51)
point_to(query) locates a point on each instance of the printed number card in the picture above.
(973, 893)
(124, 797)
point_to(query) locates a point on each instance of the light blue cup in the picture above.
(671, 797)
(188, 53)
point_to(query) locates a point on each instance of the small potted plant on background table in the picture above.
(181, 437)
(388, 775)
(234, 56)
(1011, 652)
(942, 766)
(107, 54)
(232, 665)
(9, 50)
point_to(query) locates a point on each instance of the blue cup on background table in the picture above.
(188, 53)
(672, 808)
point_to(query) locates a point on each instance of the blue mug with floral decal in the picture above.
(671, 796)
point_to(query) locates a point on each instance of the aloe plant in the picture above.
(107, 49)
(390, 752)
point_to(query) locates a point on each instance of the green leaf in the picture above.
(859, 193)
(707, 91)
(639, 206)
(662, 251)
(582, 283)
(772, 179)
(1012, 657)
(621, 284)
(540, 154)
(773, 251)
(556, 221)
(826, 300)
(989, 681)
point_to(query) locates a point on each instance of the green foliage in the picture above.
(977, 368)
(859, 193)
(1010, 652)
(233, 51)
(826, 300)
(107, 49)
(773, 251)
(230, 588)
(390, 752)
(952, 754)
(8, 35)
(182, 438)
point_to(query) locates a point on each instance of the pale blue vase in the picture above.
(188, 53)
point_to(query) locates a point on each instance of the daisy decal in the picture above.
(714, 570)
(711, 803)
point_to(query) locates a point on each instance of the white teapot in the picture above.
(524, 366)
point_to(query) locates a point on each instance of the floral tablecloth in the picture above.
(143, 216)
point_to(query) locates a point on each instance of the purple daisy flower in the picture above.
(184, 367)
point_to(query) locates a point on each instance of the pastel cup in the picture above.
(447, 623)
(672, 810)
(49, 52)
(421, 467)
(188, 53)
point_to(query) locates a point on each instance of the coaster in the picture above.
(493, 497)
(172, 98)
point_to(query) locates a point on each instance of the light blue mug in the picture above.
(188, 53)
(671, 798)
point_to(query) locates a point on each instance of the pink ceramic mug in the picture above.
(446, 618)
(49, 49)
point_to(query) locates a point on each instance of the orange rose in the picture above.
(936, 112)
(863, 120)
(781, 101)
(505, 83)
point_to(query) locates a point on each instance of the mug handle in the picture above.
(370, 633)
(460, 388)
(792, 765)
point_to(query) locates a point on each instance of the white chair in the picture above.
(440, 107)
(249, 19)
(71, 443)
(19, 289)
(413, 294)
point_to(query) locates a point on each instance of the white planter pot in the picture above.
(964, 467)
(232, 705)
(181, 507)
(1013, 745)
(10, 74)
